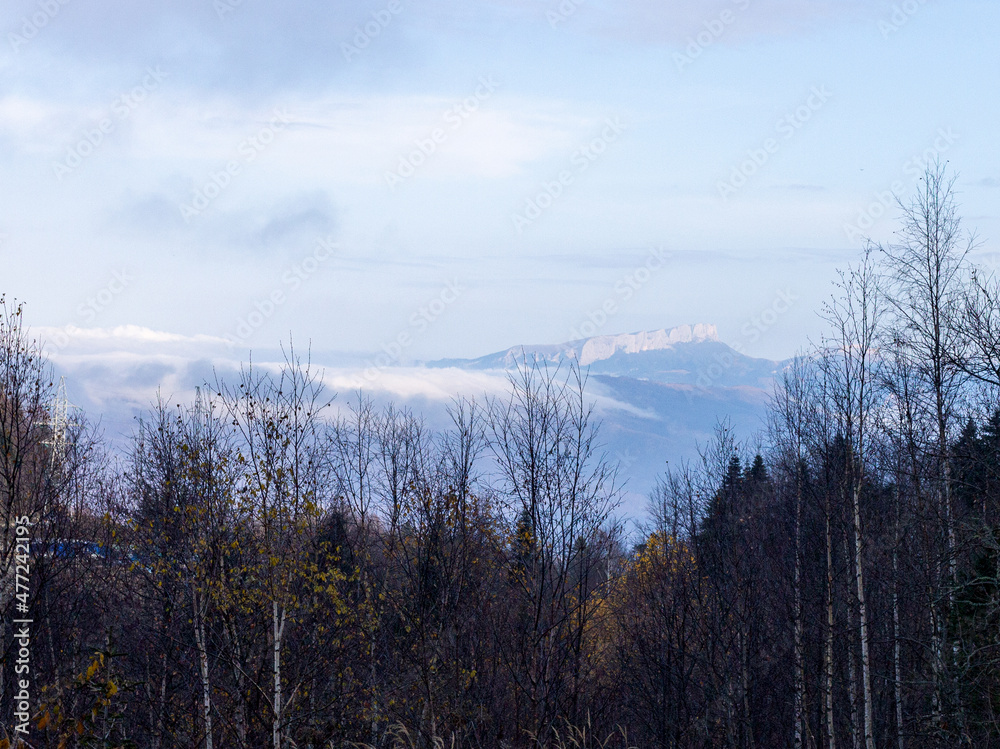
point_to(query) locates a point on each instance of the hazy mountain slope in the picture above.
(669, 423)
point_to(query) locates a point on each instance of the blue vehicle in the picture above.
(71, 549)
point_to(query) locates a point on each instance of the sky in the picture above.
(450, 178)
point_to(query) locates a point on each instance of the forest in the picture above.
(274, 565)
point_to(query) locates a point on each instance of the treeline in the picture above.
(262, 569)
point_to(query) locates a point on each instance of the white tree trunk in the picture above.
(239, 678)
(852, 674)
(866, 686)
(831, 728)
(278, 622)
(206, 685)
(798, 710)
(897, 671)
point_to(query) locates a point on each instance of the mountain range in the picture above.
(684, 355)
(658, 394)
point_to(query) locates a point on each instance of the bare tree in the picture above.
(855, 316)
(280, 446)
(926, 292)
(924, 285)
(792, 421)
(210, 478)
(560, 495)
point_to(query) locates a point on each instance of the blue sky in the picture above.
(472, 175)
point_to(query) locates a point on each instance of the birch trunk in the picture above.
(897, 671)
(206, 686)
(278, 624)
(798, 709)
(859, 578)
(852, 668)
(239, 677)
(831, 729)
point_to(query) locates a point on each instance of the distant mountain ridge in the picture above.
(685, 355)
(586, 351)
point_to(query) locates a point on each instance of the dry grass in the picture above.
(583, 737)
(569, 737)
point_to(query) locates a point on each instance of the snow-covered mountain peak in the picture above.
(604, 347)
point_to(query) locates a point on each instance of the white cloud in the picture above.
(416, 382)
(171, 138)
(357, 139)
(36, 124)
(75, 340)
